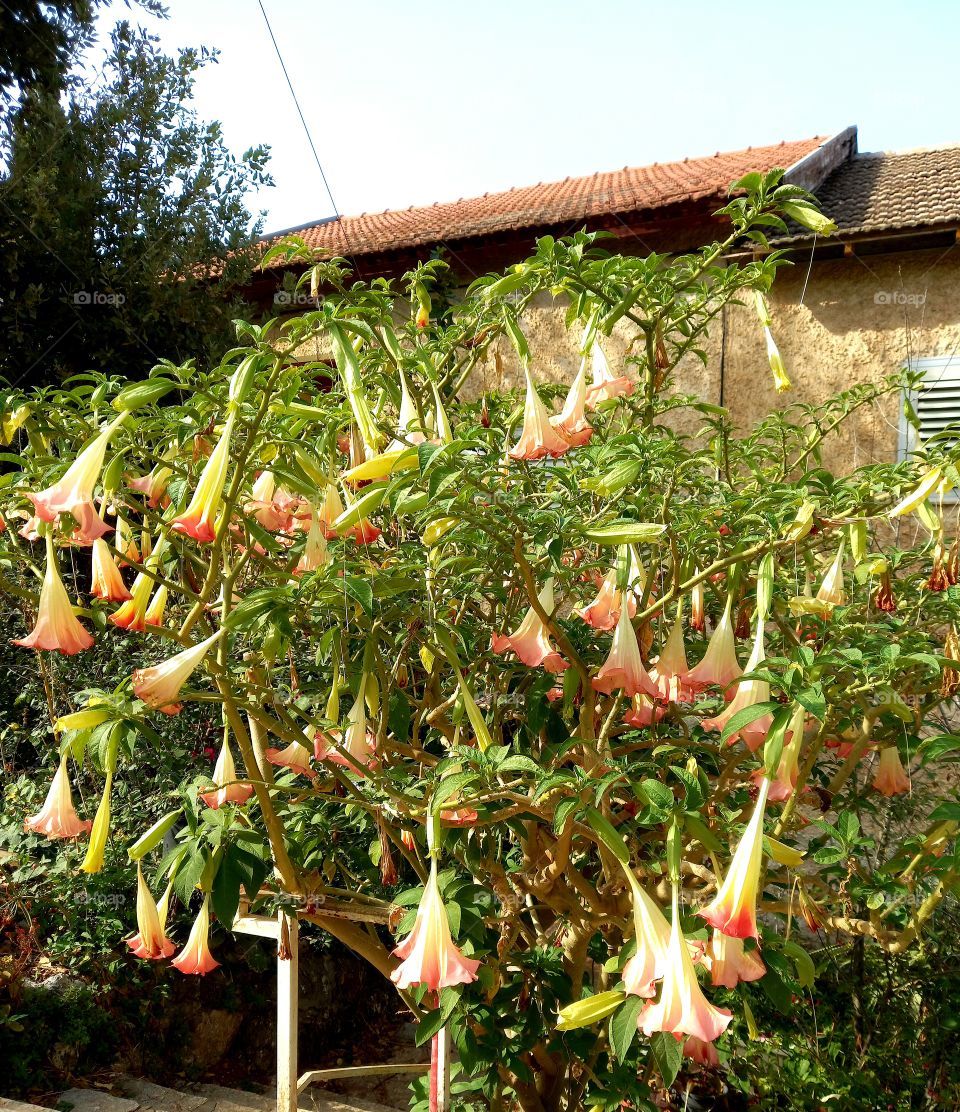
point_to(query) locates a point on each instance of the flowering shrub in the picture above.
(613, 711)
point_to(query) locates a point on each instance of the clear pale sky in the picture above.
(430, 100)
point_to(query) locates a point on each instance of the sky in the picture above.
(420, 101)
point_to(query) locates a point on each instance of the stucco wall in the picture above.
(860, 320)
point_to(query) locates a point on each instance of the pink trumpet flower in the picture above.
(154, 485)
(783, 784)
(56, 627)
(719, 665)
(571, 422)
(133, 613)
(150, 941)
(196, 957)
(891, 778)
(729, 963)
(358, 743)
(604, 611)
(531, 642)
(160, 685)
(670, 674)
(295, 756)
(272, 512)
(226, 788)
(682, 1008)
(106, 581)
(644, 711)
(154, 613)
(315, 554)
(606, 384)
(429, 956)
(73, 493)
(538, 437)
(651, 932)
(330, 509)
(199, 518)
(748, 694)
(623, 669)
(698, 619)
(57, 818)
(733, 910)
(703, 1053)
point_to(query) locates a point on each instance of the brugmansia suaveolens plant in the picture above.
(577, 720)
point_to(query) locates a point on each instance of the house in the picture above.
(882, 293)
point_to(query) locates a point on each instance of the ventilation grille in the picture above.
(937, 403)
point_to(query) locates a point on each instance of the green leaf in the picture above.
(450, 786)
(361, 591)
(745, 717)
(623, 1025)
(625, 532)
(608, 835)
(657, 795)
(667, 1053)
(583, 1013)
(806, 970)
(849, 826)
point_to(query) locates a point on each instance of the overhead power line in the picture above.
(273, 39)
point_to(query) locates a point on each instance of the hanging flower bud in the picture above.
(604, 611)
(623, 669)
(125, 544)
(950, 677)
(748, 693)
(938, 581)
(315, 553)
(93, 862)
(330, 509)
(571, 421)
(73, 494)
(153, 485)
(698, 620)
(784, 783)
(357, 744)
(154, 613)
(106, 582)
(56, 627)
(226, 788)
(295, 756)
(150, 941)
(538, 437)
(57, 818)
(196, 957)
(531, 642)
(669, 673)
(780, 380)
(891, 778)
(133, 613)
(160, 685)
(733, 910)
(199, 519)
(931, 481)
(644, 711)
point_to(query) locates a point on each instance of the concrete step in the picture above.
(159, 1097)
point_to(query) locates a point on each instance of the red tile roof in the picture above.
(571, 201)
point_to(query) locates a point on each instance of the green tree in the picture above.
(117, 208)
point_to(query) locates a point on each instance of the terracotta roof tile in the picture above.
(571, 201)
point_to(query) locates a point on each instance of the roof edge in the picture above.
(811, 171)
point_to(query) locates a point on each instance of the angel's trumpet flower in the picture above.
(357, 743)
(56, 627)
(651, 932)
(150, 941)
(125, 544)
(783, 784)
(408, 421)
(571, 422)
(57, 818)
(106, 582)
(154, 613)
(606, 384)
(442, 421)
(644, 711)
(133, 613)
(748, 694)
(295, 756)
(669, 673)
(226, 788)
(729, 963)
(93, 862)
(831, 591)
(719, 665)
(196, 957)
(883, 596)
(73, 494)
(429, 956)
(531, 642)
(931, 481)
(538, 437)
(604, 611)
(154, 485)
(682, 1008)
(733, 910)
(703, 1053)
(315, 553)
(272, 513)
(199, 518)
(950, 677)
(891, 778)
(780, 379)
(698, 619)
(160, 685)
(623, 669)
(330, 509)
